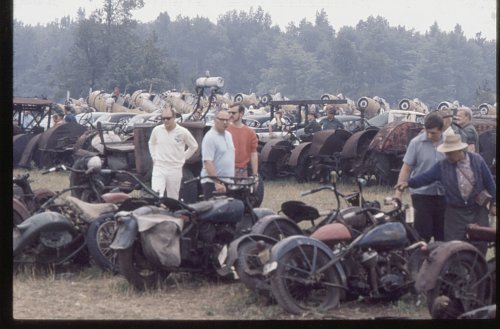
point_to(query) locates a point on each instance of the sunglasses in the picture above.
(166, 118)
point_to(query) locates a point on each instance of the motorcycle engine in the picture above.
(391, 282)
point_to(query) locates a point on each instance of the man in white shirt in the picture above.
(167, 146)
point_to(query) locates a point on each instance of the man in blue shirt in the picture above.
(428, 201)
(330, 122)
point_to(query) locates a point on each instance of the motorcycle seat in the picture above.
(89, 211)
(202, 206)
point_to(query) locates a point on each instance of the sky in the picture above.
(473, 15)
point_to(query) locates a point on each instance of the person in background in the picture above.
(467, 130)
(58, 117)
(28, 120)
(464, 175)
(428, 201)
(245, 143)
(277, 123)
(69, 114)
(218, 155)
(447, 116)
(170, 145)
(330, 122)
(312, 125)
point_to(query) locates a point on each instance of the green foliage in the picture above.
(109, 48)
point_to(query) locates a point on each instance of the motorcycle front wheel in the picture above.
(100, 235)
(461, 286)
(138, 270)
(298, 286)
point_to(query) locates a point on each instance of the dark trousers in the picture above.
(429, 216)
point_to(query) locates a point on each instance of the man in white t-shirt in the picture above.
(167, 146)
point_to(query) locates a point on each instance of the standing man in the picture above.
(464, 175)
(217, 153)
(467, 130)
(167, 146)
(245, 143)
(428, 201)
(330, 122)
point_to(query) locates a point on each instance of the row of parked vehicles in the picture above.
(345, 252)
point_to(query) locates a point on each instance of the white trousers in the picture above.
(166, 177)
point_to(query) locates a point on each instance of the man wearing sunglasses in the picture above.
(167, 146)
(245, 143)
(217, 152)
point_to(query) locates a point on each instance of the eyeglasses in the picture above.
(223, 120)
(166, 118)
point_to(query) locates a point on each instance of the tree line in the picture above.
(109, 48)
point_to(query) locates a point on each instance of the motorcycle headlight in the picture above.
(94, 163)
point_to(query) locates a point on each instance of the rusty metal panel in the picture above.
(19, 143)
(327, 142)
(357, 144)
(296, 152)
(143, 161)
(482, 124)
(61, 136)
(266, 154)
(395, 136)
(29, 151)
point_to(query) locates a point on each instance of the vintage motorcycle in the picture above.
(25, 200)
(152, 242)
(248, 254)
(314, 273)
(457, 280)
(63, 230)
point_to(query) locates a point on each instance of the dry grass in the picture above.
(90, 294)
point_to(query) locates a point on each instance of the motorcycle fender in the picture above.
(232, 253)
(296, 152)
(429, 271)
(262, 212)
(263, 222)
(20, 208)
(126, 233)
(30, 229)
(285, 245)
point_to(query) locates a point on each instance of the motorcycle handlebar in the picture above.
(238, 181)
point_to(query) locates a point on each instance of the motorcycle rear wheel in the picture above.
(139, 271)
(298, 287)
(461, 280)
(100, 235)
(249, 268)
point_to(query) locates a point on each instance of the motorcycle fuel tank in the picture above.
(386, 236)
(226, 210)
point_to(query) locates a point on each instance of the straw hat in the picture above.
(452, 143)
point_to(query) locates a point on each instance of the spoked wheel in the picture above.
(249, 266)
(462, 285)
(100, 235)
(140, 272)
(299, 287)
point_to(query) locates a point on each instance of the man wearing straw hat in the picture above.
(464, 176)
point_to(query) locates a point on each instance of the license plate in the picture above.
(222, 255)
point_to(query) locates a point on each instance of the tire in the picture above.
(302, 168)
(459, 283)
(290, 288)
(257, 196)
(138, 271)
(249, 268)
(100, 235)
